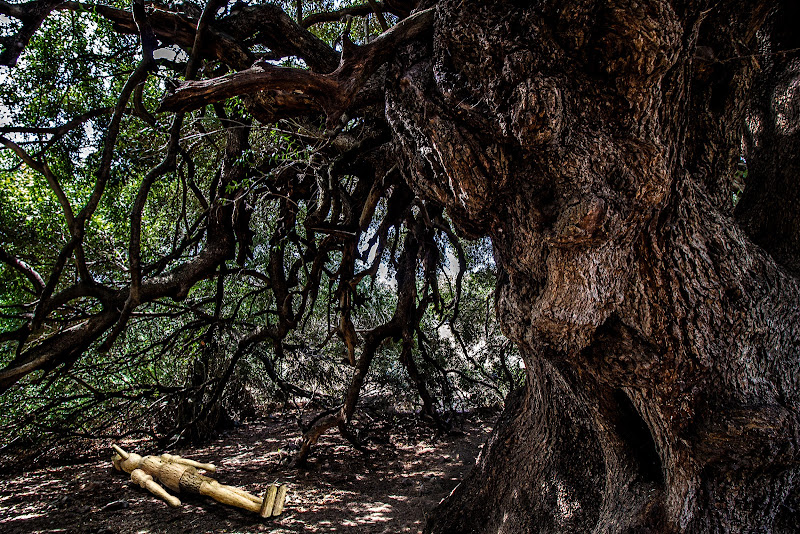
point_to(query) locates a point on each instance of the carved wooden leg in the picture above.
(146, 481)
(193, 482)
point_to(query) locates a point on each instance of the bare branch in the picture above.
(199, 38)
(173, 28)
(61, 349)
(28, 271)
(58, 131)
(104, 170)
(333, 92)
(376, 9)
(166, 165)
(269, 25)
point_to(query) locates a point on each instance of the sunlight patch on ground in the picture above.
(391, 491)
(22, 517)
(371, 512)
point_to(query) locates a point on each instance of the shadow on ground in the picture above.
(389, 491)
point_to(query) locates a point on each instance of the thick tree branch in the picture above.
(60, 349)
(769, 208)
(146, 33)
(26, 270)
(401, 8)
(32, 14)
(262, 77)
(174, 28)
(376, 9)
(269, 25)
(334, 92)
(206, 18)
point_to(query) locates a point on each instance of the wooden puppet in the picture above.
(180, 474)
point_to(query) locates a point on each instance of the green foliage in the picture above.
(184, 359)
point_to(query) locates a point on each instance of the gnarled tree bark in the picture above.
(596, 142)
(770, 206)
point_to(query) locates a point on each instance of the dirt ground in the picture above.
(390, 490)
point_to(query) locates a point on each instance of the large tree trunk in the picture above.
(770, 207)
(596, 142)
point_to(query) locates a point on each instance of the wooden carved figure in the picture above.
(180, 474)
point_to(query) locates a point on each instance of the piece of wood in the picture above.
(269, 501)
(243, 493)
(280, 500)
(124, 455)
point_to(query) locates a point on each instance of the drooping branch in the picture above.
(333, 92)
(404, 318)
(144, 27)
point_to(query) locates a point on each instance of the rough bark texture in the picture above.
(596, 142)
(770, 207)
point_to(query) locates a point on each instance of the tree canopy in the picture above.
(263, 246)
